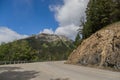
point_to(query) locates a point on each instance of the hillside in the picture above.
(42, 47)
(101, 49)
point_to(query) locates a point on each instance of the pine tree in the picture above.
(115, 14)
(100, 13)
(77, 40)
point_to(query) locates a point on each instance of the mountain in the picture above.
(49, 40)
(101, 49)
(42, 47)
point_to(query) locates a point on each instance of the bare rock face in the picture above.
(51, 37)
(101, 49)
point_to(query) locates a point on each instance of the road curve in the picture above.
(55, 70)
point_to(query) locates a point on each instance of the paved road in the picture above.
(54, 71)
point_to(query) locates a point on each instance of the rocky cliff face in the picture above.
(101, 49)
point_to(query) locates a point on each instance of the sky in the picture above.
(23, 18)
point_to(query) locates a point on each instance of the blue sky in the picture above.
(27, 16)
(22, 18)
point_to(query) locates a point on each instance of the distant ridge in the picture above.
(41, 47)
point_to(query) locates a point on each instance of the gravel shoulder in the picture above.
(55, 70)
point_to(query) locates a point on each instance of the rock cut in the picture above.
(100, 49)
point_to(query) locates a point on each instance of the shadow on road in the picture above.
(60, 79)
(9, 73)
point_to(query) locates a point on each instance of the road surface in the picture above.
(55, 70)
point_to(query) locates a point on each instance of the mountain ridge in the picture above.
(42, 47)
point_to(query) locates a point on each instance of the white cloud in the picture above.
(68, 16)
(8, 35)
(48, 31)
(68, 30)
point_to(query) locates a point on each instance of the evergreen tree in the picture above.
(77, 40)
(100, 13)
(115, 14)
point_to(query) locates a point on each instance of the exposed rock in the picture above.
(100, 49)
(51, 37)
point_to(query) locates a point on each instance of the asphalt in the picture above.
(55, 70)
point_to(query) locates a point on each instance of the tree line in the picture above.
(34, 50)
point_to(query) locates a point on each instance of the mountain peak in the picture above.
(51, 37)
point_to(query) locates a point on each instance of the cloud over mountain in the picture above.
(48, 31)
(7, 35)
(68, 16)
